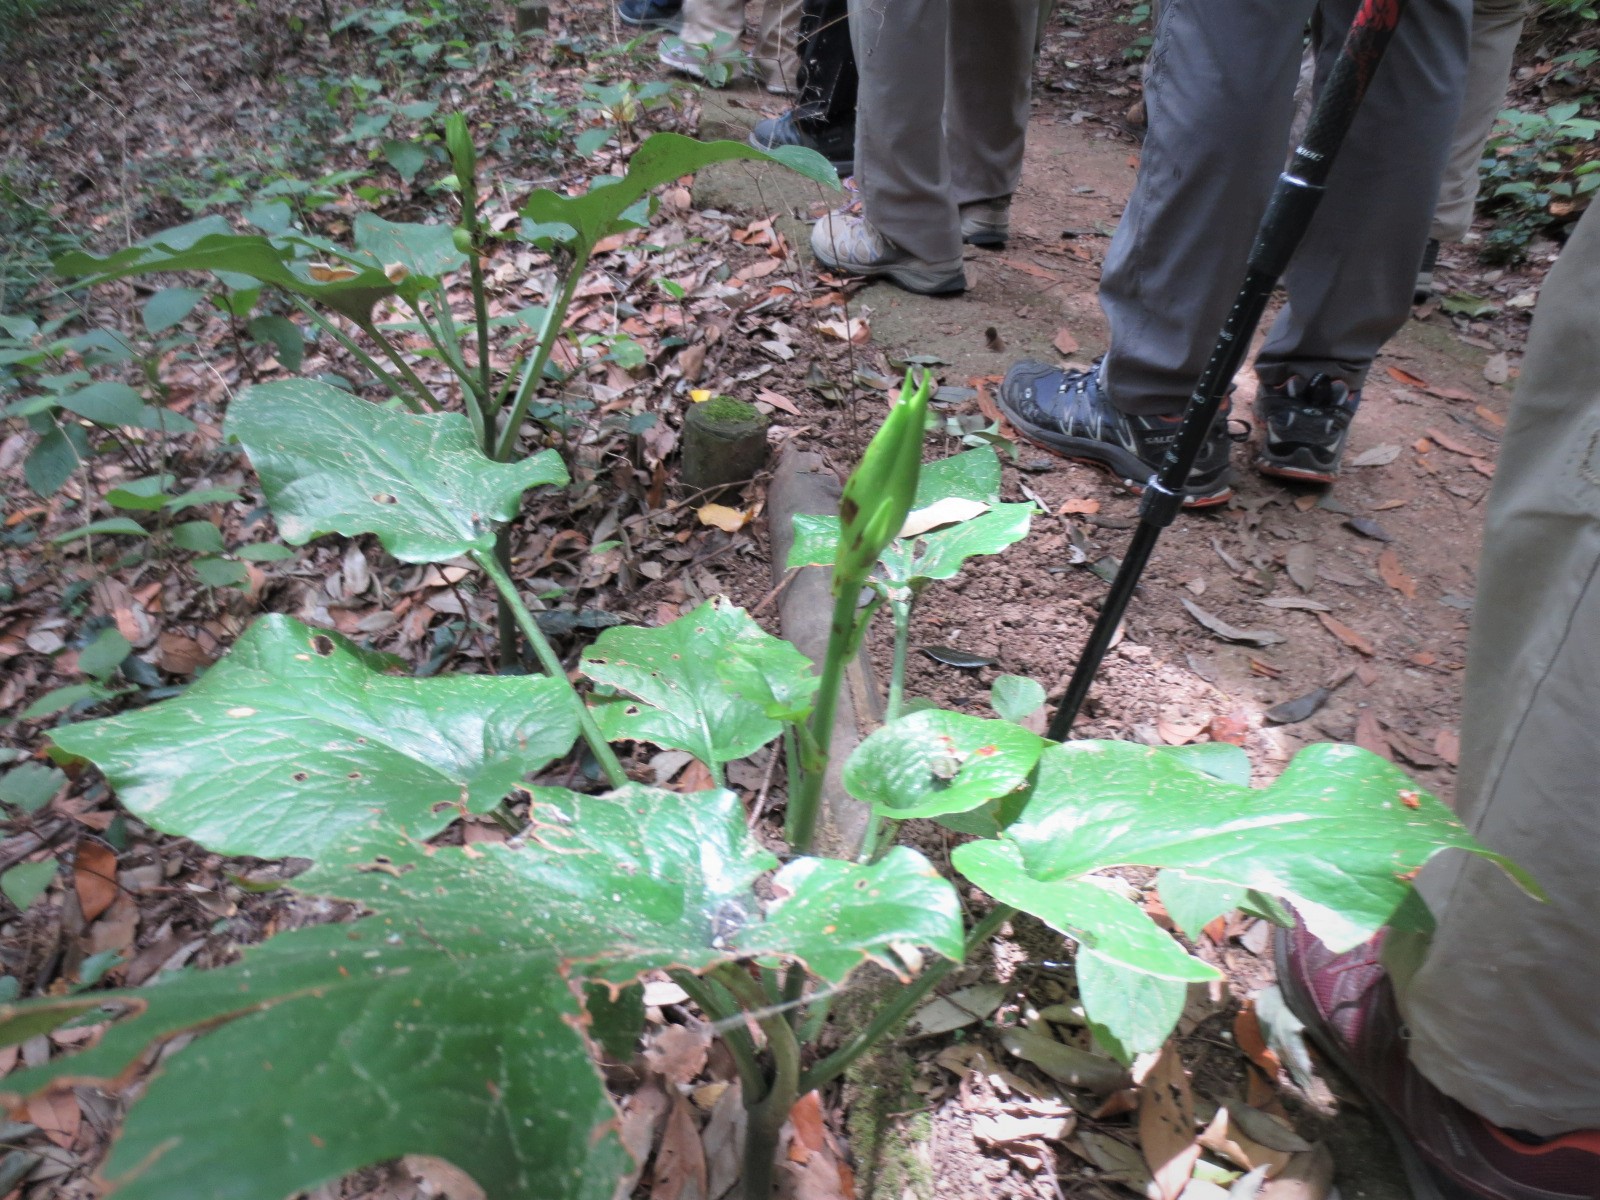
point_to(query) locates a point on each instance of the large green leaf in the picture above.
(423, 250)
(332, 463)
(448, 1023)
(298, 737)
(969, 475)
(713, 683)
(662, 158)
(941, 553)
(349, 289)
(935, 762)
(1143, 1007)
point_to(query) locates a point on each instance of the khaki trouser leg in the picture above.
(777, 55)
(1496, 25)
(1504, 1011)
(906, 54)
(703, 20)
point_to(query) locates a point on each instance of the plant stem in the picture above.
(767, 1116)
(604, 754)
(504, 619)
(406, 373)
(415, 404)
(480, 305)
(728, 1019)
(903, 1001)
(804, 803)
(549, 331)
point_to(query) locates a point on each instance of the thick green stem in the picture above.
(603, 753)
(767, 1116)
(417, 404)
(450, 357)
(505, 620)
(549, 331)
(480, 306)
(729, 1021)
(388, 347)
(897, 1009)
(842, 639)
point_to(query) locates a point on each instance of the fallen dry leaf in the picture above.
(1447, 745)
(1079, 506)
(1065, 342)
(57, 1114)
(678, 1052)
(1231, 633)
(680, 1172)
(1247, 1036)
(1369, 734)
(1223, 1136)
(1378, 456)
(720, 516)
(1231, 727)
(1004, 1128)
(1300, 563)
(1307, 1177)
(854, 330)
(1393, 574)
(1454, 446)
(94, 876)
(766, 396)
(1166, 1125)
(1406, 377)
(1497, 368)
(645, 1110)
(1345, 634)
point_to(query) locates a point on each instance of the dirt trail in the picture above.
(1368, 585)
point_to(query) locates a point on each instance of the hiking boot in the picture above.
(1069, 412)
(1430, 259)
(986, 222)
(845, 241)
(836, 143)
(1449, 1152)
(675, 53)
(1304, 426)
(651, 14)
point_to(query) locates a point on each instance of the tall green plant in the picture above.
(460, 1017)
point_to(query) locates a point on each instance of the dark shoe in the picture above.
(1449, 1152)
(836, 144)
(1070, 413)
(1304, 426)
(650, 14)
(1430, 260)
(986, 223)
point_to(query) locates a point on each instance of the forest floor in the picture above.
(1355, 600)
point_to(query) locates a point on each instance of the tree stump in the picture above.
(724, 442)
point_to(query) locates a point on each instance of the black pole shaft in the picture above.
(1289, 212)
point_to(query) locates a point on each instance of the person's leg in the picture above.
(1216, 141)
(827, 99)
(1504, 1011)
(902, 163)
(1350, 282)
(987, 89)
(1496, 25)
(777, 56)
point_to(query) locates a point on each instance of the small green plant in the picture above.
(461, 1017)
(1137, 14)
(1540, 170)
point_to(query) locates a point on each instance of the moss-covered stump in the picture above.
(890, 1130)
(724, 442)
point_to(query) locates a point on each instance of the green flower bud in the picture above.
(880, 491)
(463, 154)
(462, 237)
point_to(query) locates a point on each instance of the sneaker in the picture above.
(1449, 1152)
(836, 143)
(651, 14)
(1304, 426)
(1069, 412)
(846, 241)
(986, 222)
(675, 53)
(1430, 260)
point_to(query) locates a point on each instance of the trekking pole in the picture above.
(1294, 201)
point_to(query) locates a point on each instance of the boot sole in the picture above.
(1266, 466)
(913, 279)
(1099, 454)
(987, 241)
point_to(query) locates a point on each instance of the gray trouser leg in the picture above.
(1504, 1011)
(1496, 25)
(1351, 282)
(1220, 99)
(941, 112)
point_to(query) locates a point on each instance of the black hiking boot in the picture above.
(1423, 291)
(1304, 426)
(651, 14)
(1069, 412)
(835, 143)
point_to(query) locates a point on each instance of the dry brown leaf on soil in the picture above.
(1224, 1136)
(1117, 1161)
(815, 1168)
(1391, 572)
(1369, 734)
(723, 1139)
(115, 928)
(720, 516)
(56, 1112)
(1447, 745)
(1230, 633)
(642, 1117)
(1231, 727)
(1345, 634)
(680, 1172)
(1377, 456)
(696, 777)
(1308, 1176)
(1063, 1063)
(1247, 1036)
(766, 396)
(94, 871)
(852, 329)
(1300, 562)
(441, 1178)
(1002, 1129)
(1065, 342)
(1455, 447)
(1166, 1125)
(678, 1052)
(1078, 506)
(1406, 377)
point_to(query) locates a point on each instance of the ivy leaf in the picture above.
(298, 737)
(713, 683)
(935, 762)
(332, 463)
(449, 1023)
